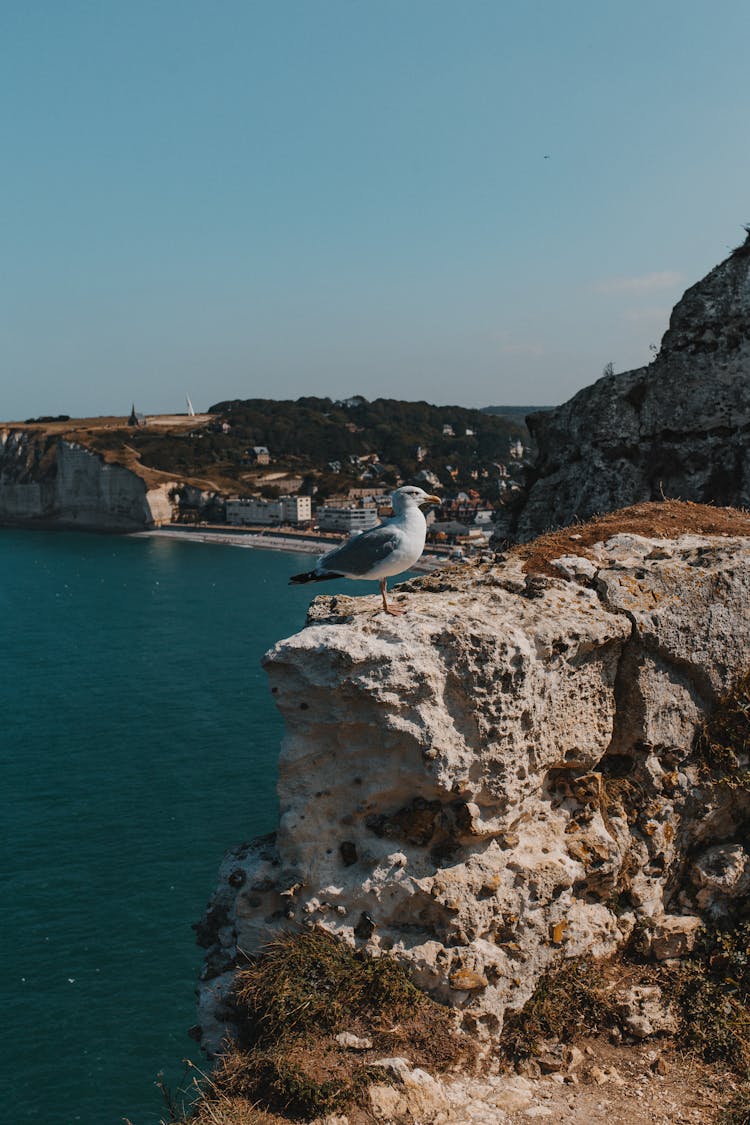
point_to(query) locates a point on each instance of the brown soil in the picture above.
(656, 519)
(129, 458)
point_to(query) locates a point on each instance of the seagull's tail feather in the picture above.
(314, 576)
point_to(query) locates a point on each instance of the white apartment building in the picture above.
(346, 519)
(295, 509)
(287, 509)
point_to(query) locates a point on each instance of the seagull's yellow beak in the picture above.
(432, 500)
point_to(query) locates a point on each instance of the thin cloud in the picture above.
(646, 283)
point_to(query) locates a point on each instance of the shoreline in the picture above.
(237, 539)
(270, 541)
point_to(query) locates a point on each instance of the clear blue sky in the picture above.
(461, 201)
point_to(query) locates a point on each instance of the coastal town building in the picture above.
(286, 510)
(465, 508)
(453, 531)
(295, 509)
(346, 518)
(371, 493)
(464, 519)
(373, 471)
(427, 477)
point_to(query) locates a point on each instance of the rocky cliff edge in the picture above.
(506, 776)
(678, 428)
(46, 480)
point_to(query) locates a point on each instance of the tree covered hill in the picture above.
(329, 445)
(518, 413)
(324, 430)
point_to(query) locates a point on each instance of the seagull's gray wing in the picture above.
(361, 553)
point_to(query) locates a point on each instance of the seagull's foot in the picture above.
(394, 610)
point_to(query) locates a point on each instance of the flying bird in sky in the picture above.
(378, 554)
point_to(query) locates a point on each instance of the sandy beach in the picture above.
(299, 544)
(272, 541)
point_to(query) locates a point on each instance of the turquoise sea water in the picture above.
(138, 741)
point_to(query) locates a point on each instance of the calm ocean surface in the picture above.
(138, 742)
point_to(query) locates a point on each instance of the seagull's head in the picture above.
(411, 496)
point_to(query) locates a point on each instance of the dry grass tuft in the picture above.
(300, 1078)
(292, 1001)
(712, 994)
(311, 982)
(723, 742)
(569, 1002)
(232, 1111)
(737, 1112)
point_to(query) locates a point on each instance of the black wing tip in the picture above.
(312, 576)
(308, 576)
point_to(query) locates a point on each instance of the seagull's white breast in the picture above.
(410, 531)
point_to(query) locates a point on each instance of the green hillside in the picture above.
(325, 446)
(314, 432)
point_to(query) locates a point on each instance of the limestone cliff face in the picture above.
(504, 775)
(56, 482)
(679, 427)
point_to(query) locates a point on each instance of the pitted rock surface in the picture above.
(502, 777)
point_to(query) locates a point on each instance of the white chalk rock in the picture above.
(502, 777)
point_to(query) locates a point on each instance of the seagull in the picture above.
(385, 550)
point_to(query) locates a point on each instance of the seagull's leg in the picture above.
(394, 611)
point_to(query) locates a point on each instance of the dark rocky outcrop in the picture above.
(679, 427)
